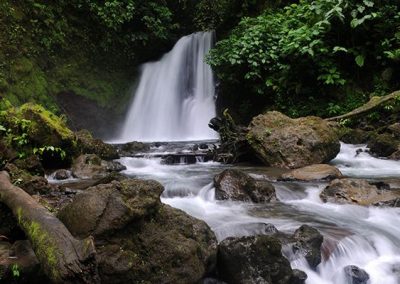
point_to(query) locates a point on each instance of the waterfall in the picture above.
(175, 97)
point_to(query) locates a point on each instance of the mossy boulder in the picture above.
(109, 207)
(139, 240)
(46, 127)
(89, 145)
(383, 145)
(280, 141)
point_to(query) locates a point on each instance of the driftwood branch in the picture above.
(63, 258)
(373, 103)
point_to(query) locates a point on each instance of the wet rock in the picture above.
(298, 277)
(358, 191)
(308, 241)
(114, 176)
(89, 145)
(280, 141)
(355, 275)
(254, 259)
(203, 146)
(90, 166)
(135, 147)
(313, 172)
(383, 145)
(395, 155)
(109, 207)
(237, 185)
(62, 174)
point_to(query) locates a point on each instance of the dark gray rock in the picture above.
(236, 185)
(355, 275)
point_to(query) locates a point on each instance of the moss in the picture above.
(42, 242)
(51, 120)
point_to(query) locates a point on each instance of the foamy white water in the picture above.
(175, 97)
(368, 237)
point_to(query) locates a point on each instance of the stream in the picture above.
(368, 237)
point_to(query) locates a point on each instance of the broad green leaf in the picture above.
(360, 60)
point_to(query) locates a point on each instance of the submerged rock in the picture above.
(237, 185)
(358, 191)
(280, 141)
(139, 240)
(355, 275)
(313, 172)
(255, 259)
(90, 166)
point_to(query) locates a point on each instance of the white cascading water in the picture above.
(175, 97)
(368, 237)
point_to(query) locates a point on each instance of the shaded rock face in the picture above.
(139, 240)
(255, 259)
(31, 184)
(92, 167)
(280, 141)
(313, 172)
(383, 145)
(89, 145)
(237, 185)
(355, 275)
(359, 191)
(135, 147)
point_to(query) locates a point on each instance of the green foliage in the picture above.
(50, 150)
(15, 270)
(311, 48)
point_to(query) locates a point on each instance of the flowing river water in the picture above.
(368, 237)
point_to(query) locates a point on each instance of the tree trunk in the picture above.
(63, 258)
(372, 104)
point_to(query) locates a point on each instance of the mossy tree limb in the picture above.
(64, 259)
(372, 104)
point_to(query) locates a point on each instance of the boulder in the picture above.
(308, 241)
(89, 145)
(355, 275)
(135, 147)
(254, 259)
(353, 136)
(139, 240)
(383, 145)
(62, 174)
(106, 208)
(91, 166)
(280, 141)
(313, 172)
(394, 129)
(358, 191)
(236, 185)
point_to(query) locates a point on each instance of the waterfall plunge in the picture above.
(175, 97)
